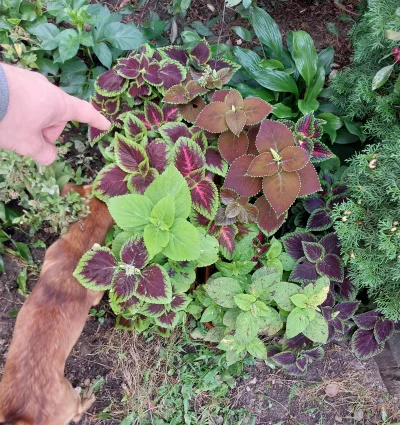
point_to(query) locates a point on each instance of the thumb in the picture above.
(45, 153)
(82, 111)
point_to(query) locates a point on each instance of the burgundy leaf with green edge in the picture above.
(199, 220)
(316, 353)
(128, 68)
(231, 146)
(237, 179)
(111, 107)
(320, 152)
(138, 182)
(281, 190)
(154, 285)
(192, 110)
(214, 161)
(267, 220)
(171, 132)
(152, 74)
(319, 221)
(367, 320)
(331, 244)
(346, 310)
(305, 125)
(383, 330)
(213, 117)
(176, 53)
(130, 302)
(263, 165)
(293, 158)
(171, 113)
(96, 268)
(94, 134)
(111, 84)
(256, 110)
(286, 358)
(221, 220)
(153, 114)
(304, 271)
(171, 74)
(154, 310)
(364, 344)
(313, 251)
(293, 243)
(336, 200)
(176, 95)
(294, 370)
(302, 363)
(201, 53)
(309, 180)
(205, 198)
(134, 127)
(139, 91)
(179, 302)
(298, 342)
(128, 154)
(195, 177)
(157, 152)
(313, 203)
(332, 266)
(124, 285)
(167, 320)
(125, 324)
(134, 253)
(193, 89)
(272, 350)
(273, 135)
(219, 64)
(306, 144)
(110, 182)
(226, 238)
(198, 135)
(188, 156)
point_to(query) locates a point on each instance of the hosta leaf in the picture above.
(293, 243)
(304, 55)
(188, 156)
(257, 349)
(297, 322)
(256, 110)
(172, 131)
(231, 146)
(331, 243)
(214, 162)
(110, 182)
(383, 330)
(205, 198)
(367, 320)
(153, 285)
(192, 110)
(267, 219)
(263, 165)
(332, 266)
(281, 190)
(237, 179)
(184, 242)
(213, 117)
(309, 180)
(96, 268)
(134, 253)
(319, 221)
(313, 251)
(273, 135)
(317, 330)
(304, 271)
(131, 212)
(364, 344)
(293, 158)
(222, 290)
(246, 327)
(128, 154)
(171, 182)
(111, 84)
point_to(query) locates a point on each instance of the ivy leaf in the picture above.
(222, 290)
(184, 242)
(297, 322)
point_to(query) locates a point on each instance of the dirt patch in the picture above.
(276, 398)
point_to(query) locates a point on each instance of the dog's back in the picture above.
(33, 390)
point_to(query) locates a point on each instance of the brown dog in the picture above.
(33, 390)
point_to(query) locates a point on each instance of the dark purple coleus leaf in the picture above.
(153, 285)
(129, 155)
(179, 302)
(167, 320)
(110, 182)
(314, 354)
(154, 310)
(176, 53)
(200, 54)
(302, 363)
(383, 330)
(172, 131)
(364, 344)
(96, 269)
(320, 152)
(188, 156)
(214, 161)
(170, 113)
(298, 342)
(134, 253)
(157, 152)
(111, 84)
(272, 350)
(128, 68)
(331, 243)
(139, 92)
(293, 243)
(346, 310)
(313, 251)
(124, 285)
(346, 288)
(332, 266)
(319, 220)
(285, 358)
(304, 271)
(294, 370)
(138, 182)
(367, 320)
(336, 200)
(313, 202)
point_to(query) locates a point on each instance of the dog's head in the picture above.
(82, 190)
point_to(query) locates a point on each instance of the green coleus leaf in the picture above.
(231, 316)
(223, 290)
(264, 285)
(155, 239)
(163, 213)
(297, 321)
(171, 183)
(244, 301)
(235, 268)
(247, 327)
(317, 330)
(209, 248)
(317, 292)
(283, 292)
(299, 300)
(257, 349)
(210, 314)
(215, 334)
(271, 323)
(131, 212)
(184, 241)
(274, 250)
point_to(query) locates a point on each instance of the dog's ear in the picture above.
(68, 187)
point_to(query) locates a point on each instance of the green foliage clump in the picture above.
(36, 189)
(368, 225)
(352, 88)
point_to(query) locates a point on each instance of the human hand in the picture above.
(38, 112)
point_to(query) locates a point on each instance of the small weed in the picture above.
(99, 314)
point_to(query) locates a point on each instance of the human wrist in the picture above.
(4, 93)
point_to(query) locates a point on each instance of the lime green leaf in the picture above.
(209, 248)
(274, 249)
(299, 300)
(297, 321)
(244, 301)
(163, 212)
(271, 323)
(257, 349)
(155, 239)
(230, 317)
(283, 292)
(264, 285)
(317, 330)
(287, 261)
(222, 290)
(210, 314)
(282, 111)
(184, 242)
(246, 327)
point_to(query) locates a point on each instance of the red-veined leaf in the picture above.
(214, 161)
(188, 156)
(172, 131)
(205, 198)
(153, 114)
